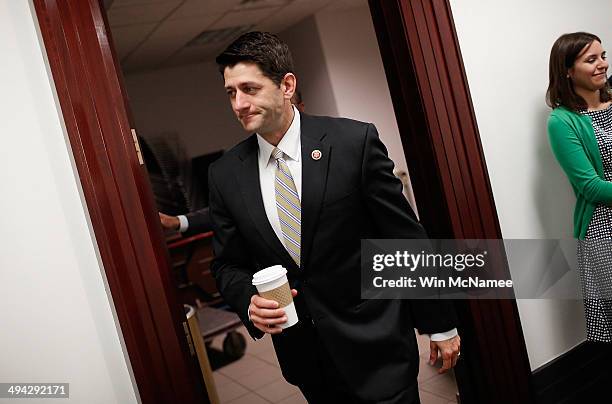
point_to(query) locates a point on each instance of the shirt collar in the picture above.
(289, 144)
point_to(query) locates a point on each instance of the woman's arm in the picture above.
(573, 159)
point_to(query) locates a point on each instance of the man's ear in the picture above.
(288, 85)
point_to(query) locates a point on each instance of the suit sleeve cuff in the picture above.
(443, 336)
(184, 223)
(249, 316)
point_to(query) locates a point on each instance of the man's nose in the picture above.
(241, 101)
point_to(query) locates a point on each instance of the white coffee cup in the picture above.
(272, 283)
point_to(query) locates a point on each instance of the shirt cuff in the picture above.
(443, 336)
(184, 223)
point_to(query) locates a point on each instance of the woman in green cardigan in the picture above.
(580, 134)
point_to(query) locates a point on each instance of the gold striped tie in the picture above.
(288, 206)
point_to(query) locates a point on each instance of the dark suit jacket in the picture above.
(349, 194)
(199, 221)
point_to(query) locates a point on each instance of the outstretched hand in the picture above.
(169, 222)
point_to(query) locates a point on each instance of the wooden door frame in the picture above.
(119, 200)
(435, 116)
(442, 146)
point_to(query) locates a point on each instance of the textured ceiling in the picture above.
(150, 34)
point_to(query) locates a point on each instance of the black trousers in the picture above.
(325, 385)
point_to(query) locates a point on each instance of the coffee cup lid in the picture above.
(268, 274)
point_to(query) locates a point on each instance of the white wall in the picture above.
(357, 74)
(57, 319)
(189, 100)
(505, 47)
(312, 73)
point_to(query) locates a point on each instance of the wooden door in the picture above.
(434, 111)
(119, 199)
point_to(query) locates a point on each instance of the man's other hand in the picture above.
(169, 222)
(266, 315)
(449, 350)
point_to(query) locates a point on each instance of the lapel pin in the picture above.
(316, 154)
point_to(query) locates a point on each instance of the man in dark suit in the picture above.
(302, 191)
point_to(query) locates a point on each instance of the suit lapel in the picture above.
(248, 178)
(314, 179)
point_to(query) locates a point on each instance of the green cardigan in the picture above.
(574, 144)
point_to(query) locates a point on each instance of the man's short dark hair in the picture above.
(264, 49)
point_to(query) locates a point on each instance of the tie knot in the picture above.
(277, 153)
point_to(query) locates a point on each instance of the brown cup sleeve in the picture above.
(282, 295)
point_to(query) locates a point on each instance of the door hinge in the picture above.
(137, 146)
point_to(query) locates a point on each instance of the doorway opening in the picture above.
(184, 121)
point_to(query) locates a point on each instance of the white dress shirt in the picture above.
(291, 146)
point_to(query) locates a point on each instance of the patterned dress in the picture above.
(595, 251)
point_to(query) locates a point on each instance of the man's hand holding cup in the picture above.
(272, 309)
(266, 315)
